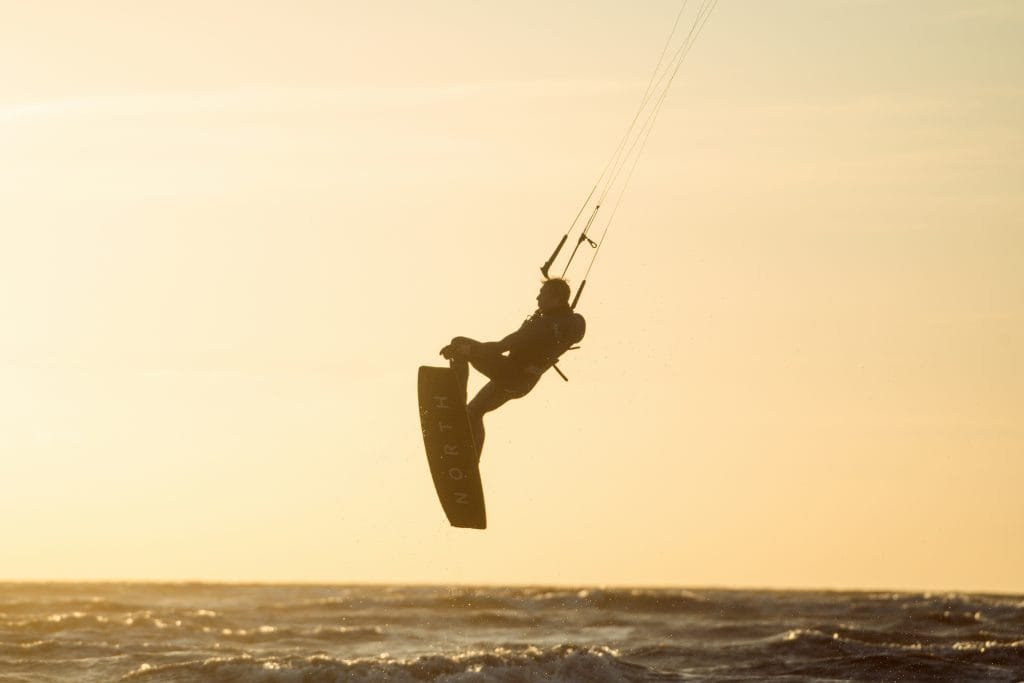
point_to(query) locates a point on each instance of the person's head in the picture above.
(554, 293)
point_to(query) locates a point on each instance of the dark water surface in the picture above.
(319, 634)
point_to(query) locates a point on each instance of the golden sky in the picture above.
(228, 238)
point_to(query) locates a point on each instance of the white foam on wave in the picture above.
(528, 664)
(987, 645)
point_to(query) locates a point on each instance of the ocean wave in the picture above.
(505, 618)
(98, 634)
(990, 653)
(327, 634)
(54, 631)
(872, 655)
(626, 600)
(880, 667)
(94, 605)
(882, 637)
(43, 652)
(985, 646)
(662, 651)
(948, 617)
(959, 609)
(57, 622)
(824, 641)
(456, 599)
(473, 599)
(813, 653)
(99, 623)
(562, 663)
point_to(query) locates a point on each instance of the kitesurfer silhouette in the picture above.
(532, 350)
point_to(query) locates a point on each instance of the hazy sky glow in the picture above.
(228, 238)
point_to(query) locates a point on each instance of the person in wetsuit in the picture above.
(532, 350)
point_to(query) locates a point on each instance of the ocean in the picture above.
(151, 633)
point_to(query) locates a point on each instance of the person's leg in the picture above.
(492, 365)
(463, 351)
(493, 395)
(457, 353)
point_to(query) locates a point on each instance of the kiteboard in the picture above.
(451, 452)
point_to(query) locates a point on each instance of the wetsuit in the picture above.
(533, 349)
